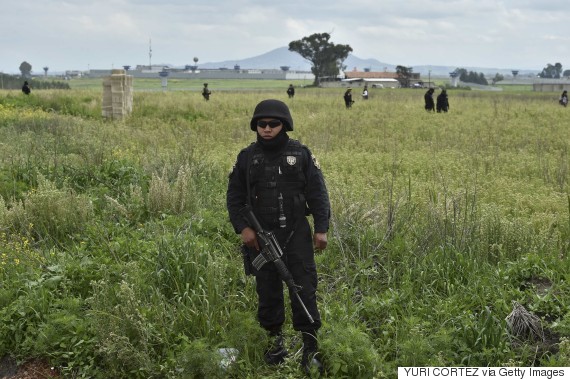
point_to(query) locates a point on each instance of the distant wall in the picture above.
(214, 74)
(299, 75)
(551, 86)
(360, 83)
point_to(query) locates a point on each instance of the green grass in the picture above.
(155, 84)
(515, 87)
(117, 258)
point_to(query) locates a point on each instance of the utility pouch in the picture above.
(247, 266)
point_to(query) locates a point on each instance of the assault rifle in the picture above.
(271, 252)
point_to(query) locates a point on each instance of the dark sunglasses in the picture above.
(272, 123)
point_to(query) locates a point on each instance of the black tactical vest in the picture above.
(277, 186)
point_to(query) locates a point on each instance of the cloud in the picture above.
(71, 34)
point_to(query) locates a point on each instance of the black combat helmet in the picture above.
(274, 109)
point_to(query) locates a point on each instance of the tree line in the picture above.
(554, 71)
(16, 82)
(472, 77)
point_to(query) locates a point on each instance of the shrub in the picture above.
(47, 212)
(348, 352)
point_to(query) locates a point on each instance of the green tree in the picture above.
(404, 75)
(498, 77)
(325, 56)
(471, 77)
(551, 71)
(26, 69)
(461, 73)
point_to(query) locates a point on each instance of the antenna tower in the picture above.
(149, 53)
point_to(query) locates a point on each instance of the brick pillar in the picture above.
(117, 95)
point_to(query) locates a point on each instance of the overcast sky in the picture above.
(101, 34)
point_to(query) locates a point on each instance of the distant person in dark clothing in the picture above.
(564, 98)
(428, 97)
(26, 88)
(206, 92)
(348, 98)
(291, 91)
(442, 104)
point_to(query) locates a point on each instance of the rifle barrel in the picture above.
(311, 320)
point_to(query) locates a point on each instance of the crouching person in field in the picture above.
(564, 98)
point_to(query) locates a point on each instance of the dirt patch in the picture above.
(32, 369)
(541, 285)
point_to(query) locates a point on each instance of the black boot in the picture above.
(276, 353)
(310, 362)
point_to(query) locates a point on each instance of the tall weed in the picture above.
(47, 212)
(116, 233)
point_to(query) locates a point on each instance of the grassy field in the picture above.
(117, 258)
(155, 84)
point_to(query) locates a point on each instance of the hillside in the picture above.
(281, 56)
(276, 58)
(270, 60)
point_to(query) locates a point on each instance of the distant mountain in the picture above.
(273, 59)
(353, 62)
(276, 58)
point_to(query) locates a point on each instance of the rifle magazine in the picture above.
(259, 261)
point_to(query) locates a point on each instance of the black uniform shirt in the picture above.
(316, 193)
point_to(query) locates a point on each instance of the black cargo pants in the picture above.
(299, 258)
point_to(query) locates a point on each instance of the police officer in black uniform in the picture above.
(291, 91)
(282, 181)
(442, 103)
(26, 88)
(348, 98)
(206, 92)
(428, 99)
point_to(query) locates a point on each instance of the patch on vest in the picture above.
(291, 160)
(315, 161)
